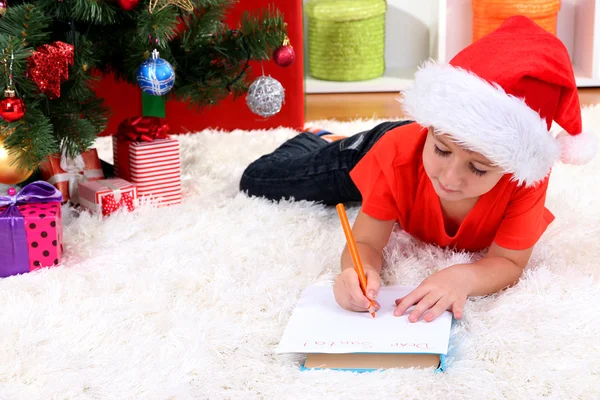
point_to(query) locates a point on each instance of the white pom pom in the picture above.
(577, 149)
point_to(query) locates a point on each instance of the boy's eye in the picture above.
(443, 153)
(440, 152)
(476, 171)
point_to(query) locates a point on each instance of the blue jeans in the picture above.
(307, 167)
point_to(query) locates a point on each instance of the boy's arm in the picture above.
(449, 288)
(499, 269)
(371, 236)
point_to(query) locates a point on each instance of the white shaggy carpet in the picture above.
(189, 302)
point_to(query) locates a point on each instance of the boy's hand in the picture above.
(445, 290)
(348, 293)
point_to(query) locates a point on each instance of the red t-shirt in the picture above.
(394, 185)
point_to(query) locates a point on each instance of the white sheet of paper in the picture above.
(319, 325)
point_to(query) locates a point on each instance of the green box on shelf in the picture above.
(346, 39)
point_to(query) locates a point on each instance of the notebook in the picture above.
(333, 338)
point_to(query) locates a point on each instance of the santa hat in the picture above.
(499, 96)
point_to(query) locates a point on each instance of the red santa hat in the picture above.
(499, 96)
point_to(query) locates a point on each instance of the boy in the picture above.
(470, 172)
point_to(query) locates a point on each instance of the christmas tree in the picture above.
(54, 50)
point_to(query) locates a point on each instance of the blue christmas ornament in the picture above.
(156, 76)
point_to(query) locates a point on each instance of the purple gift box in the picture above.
(30, 229)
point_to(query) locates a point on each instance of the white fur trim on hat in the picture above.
(577, 149)
(480, 116)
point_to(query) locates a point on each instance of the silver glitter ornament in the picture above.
(265, 96)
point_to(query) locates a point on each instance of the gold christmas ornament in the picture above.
(183, 4)
(10, 173)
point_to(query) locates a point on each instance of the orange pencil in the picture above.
(354, 253)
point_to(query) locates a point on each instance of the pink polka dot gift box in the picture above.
(30, 229)
(106, 196)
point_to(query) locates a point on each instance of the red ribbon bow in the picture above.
(49, 67)
(143, 129)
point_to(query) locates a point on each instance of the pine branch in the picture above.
(14, 46)
(201, 26)
(78, 87)
(87, 11)
(74, 134)
(31, 139)
(264, 33)
(220, 66)
(157, 26)
(26, 22)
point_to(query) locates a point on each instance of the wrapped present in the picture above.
(30, 229)
(107, 195)
(146, 156)
(66, 174)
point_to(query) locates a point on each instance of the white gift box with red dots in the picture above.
(106, 196)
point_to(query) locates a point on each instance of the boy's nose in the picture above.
(451, 178)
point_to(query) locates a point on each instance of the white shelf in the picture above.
(394, 80)
(586, 82)
(416, 31)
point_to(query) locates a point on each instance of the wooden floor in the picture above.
(349, 106)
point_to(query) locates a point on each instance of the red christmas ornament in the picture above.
(49, 67)
(285, 55)
(11, 108)
(128, 5)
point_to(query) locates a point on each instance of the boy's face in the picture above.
(457, 174)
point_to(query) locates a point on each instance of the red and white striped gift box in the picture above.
(153, 167)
